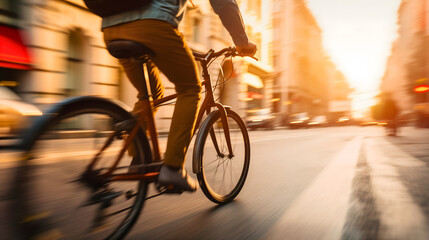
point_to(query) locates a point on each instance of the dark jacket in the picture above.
(172, 11)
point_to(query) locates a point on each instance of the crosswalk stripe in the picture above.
(401, 217)
(319, 212)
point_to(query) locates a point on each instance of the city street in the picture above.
(315, 82)
(346, 182)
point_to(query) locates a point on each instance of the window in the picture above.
(255, 6)
(9, 14)
(9, 8)
(75, 64)
(196, 30)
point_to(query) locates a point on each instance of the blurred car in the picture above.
(15, 114)
(368, 122)
(341, 121)
(318, 121)
(260, 118)
(298, 120)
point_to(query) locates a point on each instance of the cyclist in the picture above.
(390, 112)
(156, 26)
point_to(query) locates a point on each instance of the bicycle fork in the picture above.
(207, 104)
(225, 124)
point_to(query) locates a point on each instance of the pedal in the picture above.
(171, 189)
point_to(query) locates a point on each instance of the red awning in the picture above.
(13, 52)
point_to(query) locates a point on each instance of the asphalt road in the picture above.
(324, 183)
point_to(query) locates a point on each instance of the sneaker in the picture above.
(177, 178)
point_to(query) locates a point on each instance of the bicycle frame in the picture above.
(146, 115)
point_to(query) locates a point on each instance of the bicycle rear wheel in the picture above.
(55, 200)
(222, 177)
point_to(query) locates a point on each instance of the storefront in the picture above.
(13, 52)
(14, 56)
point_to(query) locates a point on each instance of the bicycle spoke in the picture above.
(214, 161)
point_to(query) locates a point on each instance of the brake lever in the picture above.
(234, 54)
(253, 57)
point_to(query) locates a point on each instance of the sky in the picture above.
(358, 35)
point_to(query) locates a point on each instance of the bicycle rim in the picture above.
(222, 177)
(54, 203)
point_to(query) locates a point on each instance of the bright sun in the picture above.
(358, 37)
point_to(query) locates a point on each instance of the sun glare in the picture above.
(358, 37)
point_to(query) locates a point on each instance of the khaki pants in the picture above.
(175, 60)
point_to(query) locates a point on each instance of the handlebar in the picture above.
(228, 51)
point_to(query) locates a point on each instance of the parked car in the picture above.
(15, 114)
(260, 118)
(298, 120)
(318, 121)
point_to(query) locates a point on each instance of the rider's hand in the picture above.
(246, 50)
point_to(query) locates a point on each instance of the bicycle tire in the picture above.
(204, 152)
(45, 215)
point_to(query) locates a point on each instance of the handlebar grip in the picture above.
(198, 54)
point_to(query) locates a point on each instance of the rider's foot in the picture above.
(179, 178)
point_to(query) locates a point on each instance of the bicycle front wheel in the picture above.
(222, 176)
(56, 197)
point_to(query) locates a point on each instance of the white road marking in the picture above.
(319, 212)
(401, 217)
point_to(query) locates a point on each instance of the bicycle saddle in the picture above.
(128, 49)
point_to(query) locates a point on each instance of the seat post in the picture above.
(146, 78)
(146, 115)
(128, 49)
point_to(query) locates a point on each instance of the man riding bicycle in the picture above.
(156, 26)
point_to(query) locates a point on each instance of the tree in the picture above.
(385, 109)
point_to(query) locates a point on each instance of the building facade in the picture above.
(67, 55)
(304, 73)
(408, 64)
(14, 56)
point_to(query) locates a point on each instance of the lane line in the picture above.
(320, 211)
(401, 217)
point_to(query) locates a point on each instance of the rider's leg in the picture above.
(175, 60)
(180, 69)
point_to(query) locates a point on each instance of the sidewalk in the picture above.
(414, 141)
(397, 183)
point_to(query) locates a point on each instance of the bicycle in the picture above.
(113, 183)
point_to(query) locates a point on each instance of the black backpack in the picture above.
(105, 8)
